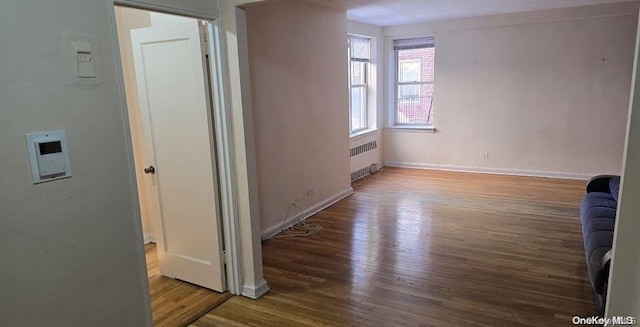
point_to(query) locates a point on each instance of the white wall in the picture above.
(129, 19)
(299, 93)
(70, 250)
(544, 93)
(624, 287)
(375, 99)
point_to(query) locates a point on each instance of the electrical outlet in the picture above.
(310, 191)
(484, 155)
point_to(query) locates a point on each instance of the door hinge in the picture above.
(225, 260)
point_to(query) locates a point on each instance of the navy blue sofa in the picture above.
(598, 214)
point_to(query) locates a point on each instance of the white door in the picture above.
(178, 127)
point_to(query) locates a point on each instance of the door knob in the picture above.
(150, 170)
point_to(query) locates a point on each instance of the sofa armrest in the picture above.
(599, 183)
(606, 260)
(601, 299)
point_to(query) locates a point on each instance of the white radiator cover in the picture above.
(364, 159)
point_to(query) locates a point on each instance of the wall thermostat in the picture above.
(48, 156)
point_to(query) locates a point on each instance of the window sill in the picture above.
(363, 132)
(418, 129)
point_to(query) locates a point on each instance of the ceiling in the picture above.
(398, 12)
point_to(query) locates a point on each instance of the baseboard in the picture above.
(149, 238)
(253, 291)
(277, 228)
(487, 170)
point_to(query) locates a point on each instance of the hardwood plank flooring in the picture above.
(175, 303)
(429, 248)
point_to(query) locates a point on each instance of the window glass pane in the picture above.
(358, 73)
(358, 108)
(409, 71)
(360, 48)
(415, 104)
(416, 65)
(408, 93)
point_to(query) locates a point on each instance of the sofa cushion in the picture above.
(598, 213)
(599, 223)
(614, 187)
(597, 201)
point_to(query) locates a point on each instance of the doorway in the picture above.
(170, 115)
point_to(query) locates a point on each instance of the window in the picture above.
(409, 72)
(414, 81)
(359, 59)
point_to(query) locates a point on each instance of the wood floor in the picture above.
(426, 248)
(175, 303)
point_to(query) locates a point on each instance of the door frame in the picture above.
(222, 125)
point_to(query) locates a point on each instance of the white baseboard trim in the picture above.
(487, 170)
(277, 228)
(149, 238)
(253, 291)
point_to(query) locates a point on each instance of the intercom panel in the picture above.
(48, 156)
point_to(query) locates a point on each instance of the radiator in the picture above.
(364, 160)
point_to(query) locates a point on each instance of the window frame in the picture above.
(396, 84)
(364, 86)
